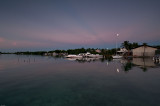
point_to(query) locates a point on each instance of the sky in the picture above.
(66, 24)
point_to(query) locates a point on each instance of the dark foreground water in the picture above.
(48, 81)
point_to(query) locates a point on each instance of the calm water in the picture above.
(48, 81)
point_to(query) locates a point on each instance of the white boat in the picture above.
(93, 55)
(117, 57)
(73, 56)
(88, 55)
(156, 58)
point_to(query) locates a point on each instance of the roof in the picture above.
(146, 45)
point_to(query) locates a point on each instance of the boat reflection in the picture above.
(122, 64)
(83, 60)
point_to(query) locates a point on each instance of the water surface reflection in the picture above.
(127, 64)
(50, 81)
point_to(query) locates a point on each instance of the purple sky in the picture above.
(64, 24)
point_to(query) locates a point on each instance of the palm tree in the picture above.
(134, 45)
(126, 44)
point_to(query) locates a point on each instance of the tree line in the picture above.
(125, 44)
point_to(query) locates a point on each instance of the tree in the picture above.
(126, 45)
(134, 45)
(129, 46)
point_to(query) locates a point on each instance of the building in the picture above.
(122, 51)
(98, 51)
(144, 51)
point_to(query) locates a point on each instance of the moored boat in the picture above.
(93, 55)
(117, 57)
(73, 56)
(156, 58)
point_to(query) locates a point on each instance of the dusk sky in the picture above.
(65, 24)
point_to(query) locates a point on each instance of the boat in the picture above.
(74, 56)
(93, 55)
(156, 58)
(117, 57)
(86, 55)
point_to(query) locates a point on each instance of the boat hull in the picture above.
(117, 57)
(73, 56)
(95, 56)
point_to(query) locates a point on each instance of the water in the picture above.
(48, 81)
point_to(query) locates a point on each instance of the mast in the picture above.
(116, 43)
